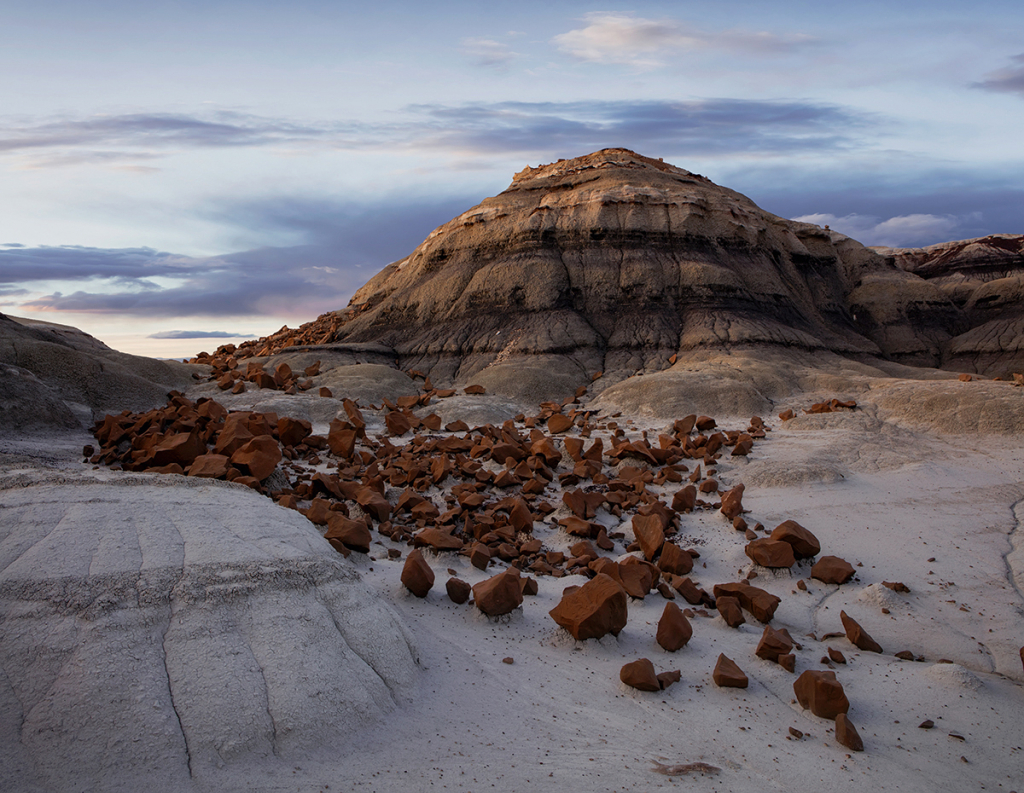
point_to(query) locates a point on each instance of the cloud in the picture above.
(198, 334)
(635, 41)
(715, 127)
(487, 52)
(1009, 80)
(344, 244)
(903, 231)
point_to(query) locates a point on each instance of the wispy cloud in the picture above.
(644, 43)
(197, 334)
(898, 232)
(1009, 79)
(488, 52)
(713, 126)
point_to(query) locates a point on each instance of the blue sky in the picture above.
(226, 168)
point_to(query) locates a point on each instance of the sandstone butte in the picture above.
(614, 262)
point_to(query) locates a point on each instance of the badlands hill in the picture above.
(614, 422)
(618, 263)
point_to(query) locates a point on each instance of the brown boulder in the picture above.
(234, 435)
(650, 534)
(666, 679)
(559, 423)
(732, 502)
(674, 630)
(773, 644)
(728, 675)
(352, 534)
(832, 570)
(856, 634)
(755, 600)
(636, 580)
(729, 608)
(499, 594)
(210, 466)
(805, 545)
(640, 675)
(438, 539)
(259, 456)
(181, 448)
(341, 439)
(788, 662)
(417, 576)
(397, 423)
(595, 609)
(847, 735)
(458, 590)
(685, 499)
(373, 503)
(821, 693)
(675, 560)
(292, 432)
(770, 553)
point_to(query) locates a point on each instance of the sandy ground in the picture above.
(940, 514)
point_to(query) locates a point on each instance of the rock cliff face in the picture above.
(984, 279)
(618, 263)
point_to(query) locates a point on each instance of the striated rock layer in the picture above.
(615, 262)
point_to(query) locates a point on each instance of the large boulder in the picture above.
(155, 631)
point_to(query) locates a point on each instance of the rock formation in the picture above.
(618, 263)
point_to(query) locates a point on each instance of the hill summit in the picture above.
(618, 263)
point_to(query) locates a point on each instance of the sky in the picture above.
(178, 175)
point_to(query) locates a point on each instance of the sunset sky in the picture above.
(177, 174)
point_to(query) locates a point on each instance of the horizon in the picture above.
(201, 174)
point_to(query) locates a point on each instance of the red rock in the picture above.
(584, 548)
(675, 560)
(520, 517)
(352, 534)
(650, 534)
(640, 675)
(319, 511)
(820, 692)
(758, 602)
(743, 447)
(666, 679)
(805, 545)
(732, 502)
(373, 503)
(291, 432)
(773, 643)
(210, 466)
(480, 556)
(529, 586)
(846, 733)
(595, 609)
(325, 392)
(559, 423)
(417, 576)
(397, 423)
(475, 389)
(577, 526)
(438, 539)
(1022, 656)
(788, 662)
(770, 553)
(249, 481)
(856, 634)
(896, 586)
(787, 414)
(259, 456)
(234, 435)
(674, 631)
(181, 448)
(685, 587)
(832, 570)
(312, 370)
(458, 590)
(704, 423)
(499, 594)
(839, 658)
(708, 486)
(685, 499)
(729, 608)
(637, 577)
(728, 675)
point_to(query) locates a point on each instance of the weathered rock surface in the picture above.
(847, 734)
(674, 630)
(821, 693)
(856, 634)
(615, 262)
(640, 675)
(245, 636)
(595, 609)
(832, 570)
(727, 674)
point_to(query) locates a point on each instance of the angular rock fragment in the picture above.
(832, 570)
(685, 499)
(770, 553)
(210, 466)
(788, 662)
(821, 693)
(458, 590)
(417, 576)
(847, 735)
(259, 456)
(650, 534)
(757, 601)
(675, 560)
(499, 594)
(856, 634)
(732, 502)
(666, 679)
(773, 643)
(353, 534)
(728, 675)
(438, 539)
(640, 675)
(729, 608)
(595, 609)
(674, 630)
(805, 545)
